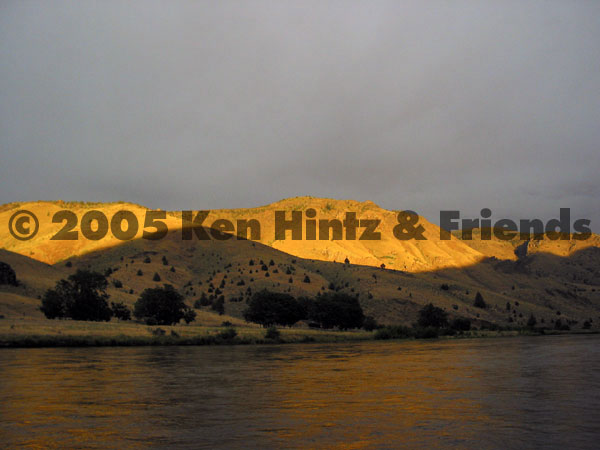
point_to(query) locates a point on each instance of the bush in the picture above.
(426, 333)
(531, 322)
(81, 297)
(370, 323)
(7, 275)
(227, 334)
(189, 315)
(118, 284)
(432, 316)
(161, 305)
(274, 308)
(156, 277)
(218, 305)
(479, 302)
(202, 301)
(272, 333)
(460, 324)
(120, 311)
(393, 332)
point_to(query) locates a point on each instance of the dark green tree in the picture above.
(479, 302)
(432, 316)
(335, 309)
(273, 308)
(120, 310)
(160, 306)
(81, 297)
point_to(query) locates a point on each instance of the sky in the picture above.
(429, 106)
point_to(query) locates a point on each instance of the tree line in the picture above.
(82, 296)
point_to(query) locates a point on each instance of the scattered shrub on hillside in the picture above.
(218, 305)
(156, 277)
(7, 275)
(479, 302)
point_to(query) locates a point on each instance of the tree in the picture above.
(120, 311)
(335, 309)
(432, 316)
(81, 297)
(7, 275)
(165, 261)
(156, 277)
(218, 305)
(531, 322)
(479, 302)
(273, 308)
(160, 306)
(370, 323)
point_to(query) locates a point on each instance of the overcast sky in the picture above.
(199, 105)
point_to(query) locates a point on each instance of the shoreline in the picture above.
(242, 336)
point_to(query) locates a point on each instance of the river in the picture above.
(523, 392)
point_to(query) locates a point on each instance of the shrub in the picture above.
(227, 334)
(531, 322)
(118, 284)
(156, 277)
(370, 323)
(460, 324)
(479, 302)
(272, 333)
(120, 311)
(189, 315)
(7, 275)
(202, 301)
(393, 332)
(218, 305)
(147, 260)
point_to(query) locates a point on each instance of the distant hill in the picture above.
(553, 279)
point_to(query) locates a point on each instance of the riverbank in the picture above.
(24, 333)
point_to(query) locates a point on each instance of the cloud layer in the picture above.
(421, 105)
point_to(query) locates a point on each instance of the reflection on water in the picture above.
(496, 393)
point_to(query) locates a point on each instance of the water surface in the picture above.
(489, 393)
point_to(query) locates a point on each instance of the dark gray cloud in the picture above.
(421, 105)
